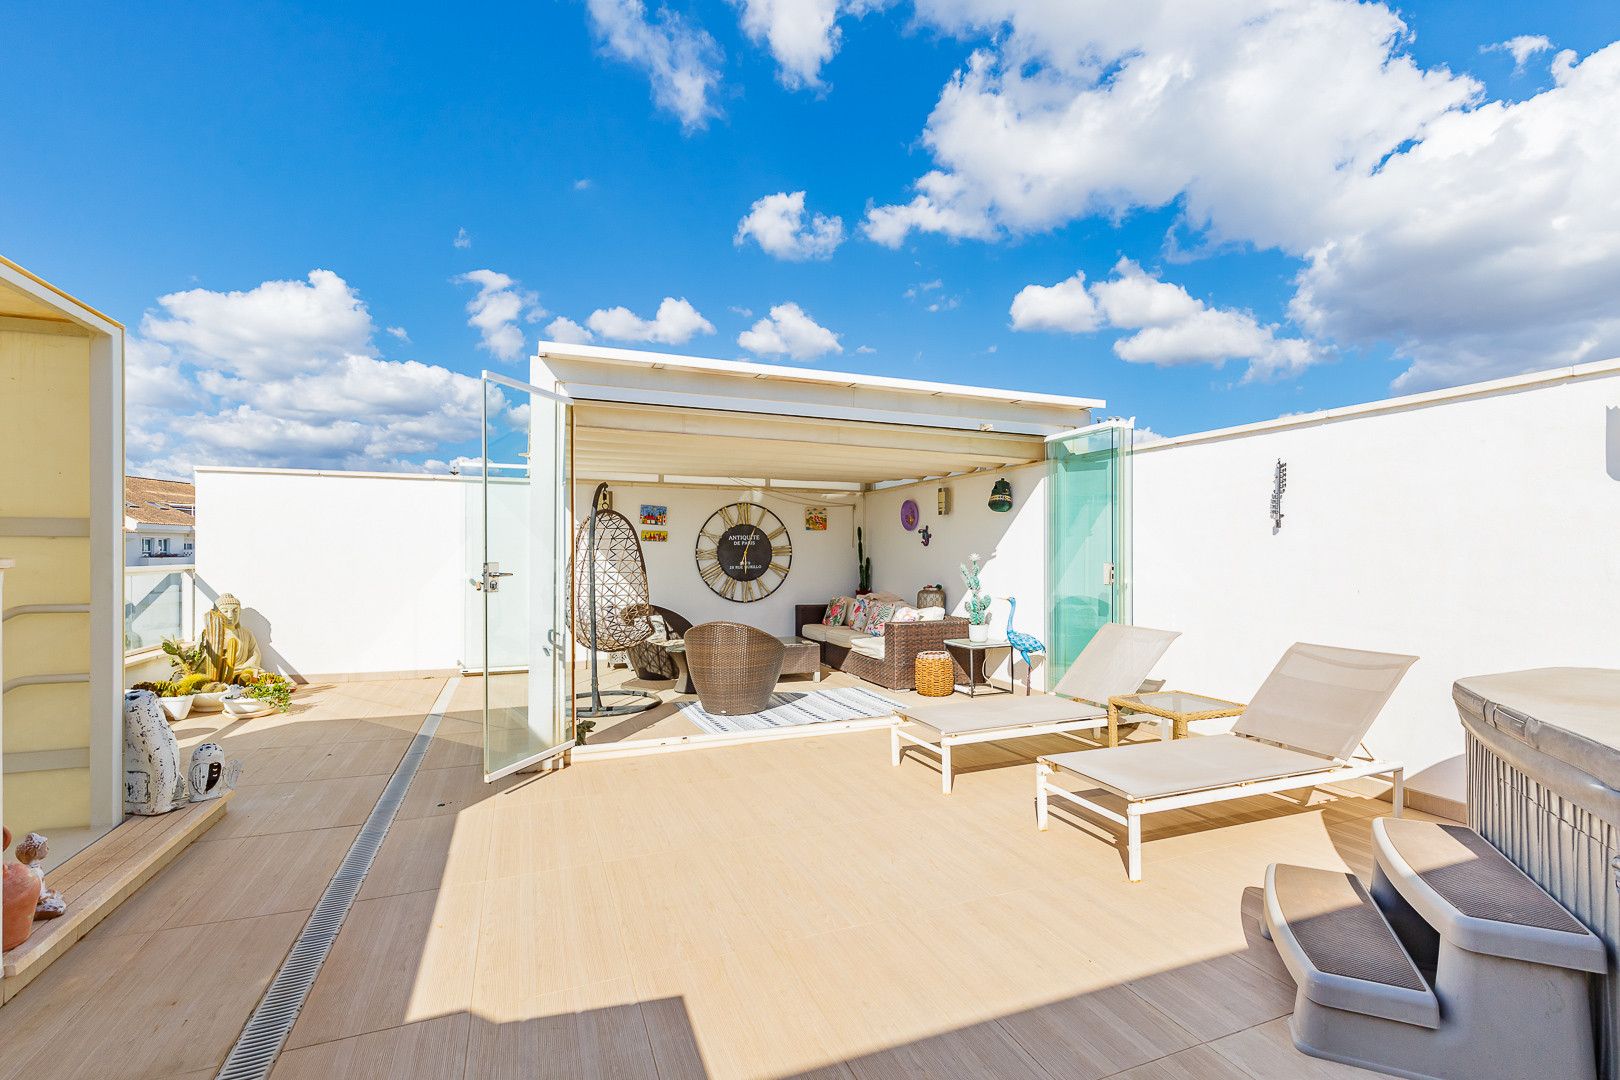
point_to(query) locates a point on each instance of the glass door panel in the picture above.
(523, 575)
(1089, 537)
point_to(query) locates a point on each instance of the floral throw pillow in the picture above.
(837, 612)
(878, 616)
(858, 614)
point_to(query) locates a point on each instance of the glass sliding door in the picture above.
(1089, 535)
(523, 576)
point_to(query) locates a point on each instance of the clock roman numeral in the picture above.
(711, 573)
(780, 550)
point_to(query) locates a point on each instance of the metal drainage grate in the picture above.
(267, 1029)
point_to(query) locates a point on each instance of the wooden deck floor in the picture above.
(766, 910)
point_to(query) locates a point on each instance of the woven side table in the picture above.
(935, 677)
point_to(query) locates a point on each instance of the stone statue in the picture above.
(210, 774)
(31, 851)
(226, 642)
(153, 783)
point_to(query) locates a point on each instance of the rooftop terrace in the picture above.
(776, 909)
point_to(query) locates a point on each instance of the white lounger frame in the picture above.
(1135, 810)
(942, 748)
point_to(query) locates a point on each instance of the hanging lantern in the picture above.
(1001, 499)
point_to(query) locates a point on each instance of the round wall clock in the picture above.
(743, 552)
(909, 514)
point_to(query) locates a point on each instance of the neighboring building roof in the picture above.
(159, 502)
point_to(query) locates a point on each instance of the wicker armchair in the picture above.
(734, 667)
(649, 658)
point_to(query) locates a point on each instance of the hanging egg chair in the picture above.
(610, 608)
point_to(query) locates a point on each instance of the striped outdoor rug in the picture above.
(796, 710)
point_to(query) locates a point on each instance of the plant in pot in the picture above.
(977, 602)
(863, 564)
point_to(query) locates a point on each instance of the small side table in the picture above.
(1176, 706)
(970, 654)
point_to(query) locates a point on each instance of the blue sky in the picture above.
(1318, 201)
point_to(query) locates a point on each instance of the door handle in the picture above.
(489, 579)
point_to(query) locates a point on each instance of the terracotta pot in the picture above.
(21, 897)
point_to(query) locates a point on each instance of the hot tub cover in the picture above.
(1571, 715)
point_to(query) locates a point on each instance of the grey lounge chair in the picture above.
(1115, 662)
(1300, 730)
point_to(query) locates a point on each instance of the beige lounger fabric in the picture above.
(1322, 699)
(1148, 770)
(1114, 662)
(968, 717)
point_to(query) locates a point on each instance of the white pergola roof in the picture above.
(643, 414)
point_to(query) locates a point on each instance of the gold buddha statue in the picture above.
(226, 639)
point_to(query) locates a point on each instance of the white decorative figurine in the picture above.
(153, 783)
(210, 774)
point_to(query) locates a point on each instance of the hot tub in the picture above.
(1544, 787)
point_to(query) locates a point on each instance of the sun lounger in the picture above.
(1302, 729)
(1115, 662)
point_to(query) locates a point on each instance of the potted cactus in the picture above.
(977, 602)
(863, 564)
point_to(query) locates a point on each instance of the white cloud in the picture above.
(680, 60)
(1170, 326)
(495, 311)
(582, 184)
(218, 378)
(788, 331)
(463, 240)
(865, 350)
(675, 323)
(567, 331)
(1490, 248)
(400, 333)
(777, 224)
(1521, 48)
(1066, 307)
(266, 330)
(1475, 237)
(802, 35)
(922, 287)
(1251, 112)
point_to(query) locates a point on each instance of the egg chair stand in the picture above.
(611, 609)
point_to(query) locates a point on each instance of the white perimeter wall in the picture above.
(1012, 547)
(823, 562)
(1481, 533)
(339, 573)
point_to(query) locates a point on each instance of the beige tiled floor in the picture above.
(796, 908)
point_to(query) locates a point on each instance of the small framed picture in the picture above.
(815, 518)
(654, 536)
(654, 515)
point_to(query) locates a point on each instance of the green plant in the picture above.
(273, 689)
(863, 563)
(977, 603)
(184, 659)
(582, 730)
(190, 684)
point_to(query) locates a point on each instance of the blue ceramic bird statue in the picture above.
(1026, 644)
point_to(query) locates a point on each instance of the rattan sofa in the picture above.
(894, 666)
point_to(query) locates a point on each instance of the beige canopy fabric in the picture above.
(1321, 699)
(1115, 662)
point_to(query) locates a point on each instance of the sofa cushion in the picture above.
(867, 645)
(843, 636)
(878, 616)
(814, 631)
(837, 611)
(859, 612)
